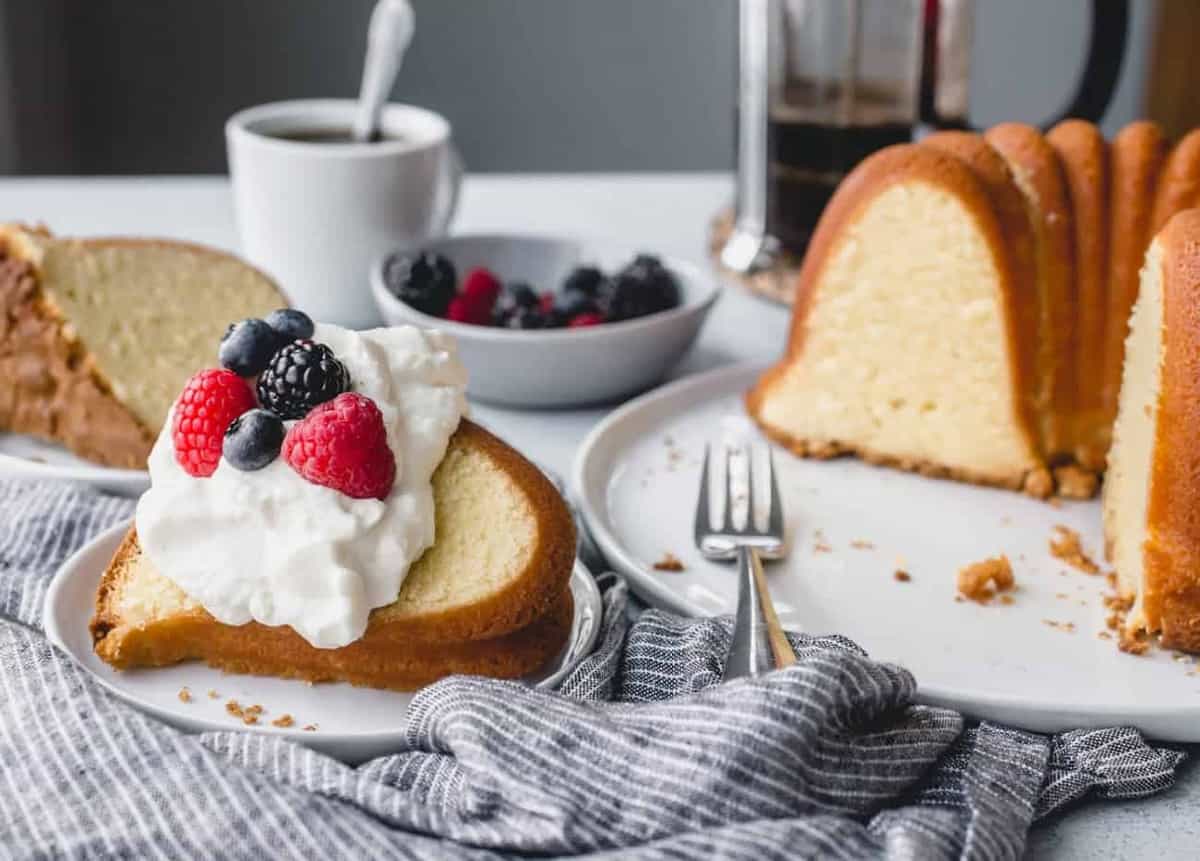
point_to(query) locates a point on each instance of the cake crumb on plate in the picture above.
(980, 581)
(669, 562)
(1065, 545)
(901, 576)
(283, 721)
(185, 696)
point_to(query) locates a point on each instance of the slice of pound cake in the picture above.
(97, 336)
(320, 509)
(490, 597)
(1152, 492)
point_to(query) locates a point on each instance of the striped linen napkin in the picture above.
(642, 752)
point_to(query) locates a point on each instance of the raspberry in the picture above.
(210, 401)
(590, 318)
(460, 311)
(481, 288)
(342, 444)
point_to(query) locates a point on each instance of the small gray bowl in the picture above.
(558, 367)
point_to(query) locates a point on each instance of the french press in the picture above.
(824, 83)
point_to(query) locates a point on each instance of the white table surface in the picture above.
(667, 213)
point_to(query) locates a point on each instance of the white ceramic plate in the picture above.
(352, 724)
(636, 477)
(26, 457)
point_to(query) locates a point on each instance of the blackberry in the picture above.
(253, 440)
(643, 287)
(299, 376)
(425, 280)
(587, 280)
(247, 347)
(292, 325)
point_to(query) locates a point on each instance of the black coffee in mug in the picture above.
(328, 136)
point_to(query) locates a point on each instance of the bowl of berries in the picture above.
(549, 322)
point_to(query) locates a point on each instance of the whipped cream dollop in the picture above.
(273, 547)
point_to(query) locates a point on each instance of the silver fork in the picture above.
(759, 643)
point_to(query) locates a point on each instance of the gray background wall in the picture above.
(117, 86)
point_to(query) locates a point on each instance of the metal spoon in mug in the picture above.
(388, 37)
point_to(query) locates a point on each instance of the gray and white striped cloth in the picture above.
(642, 753)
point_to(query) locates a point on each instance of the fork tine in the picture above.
(729, 490)
(775, 516)
(751, 523)
(703, 526)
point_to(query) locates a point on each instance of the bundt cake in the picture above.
(97, 336)
(1151, 496)
(962, 308)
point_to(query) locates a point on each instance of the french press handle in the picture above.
(1106, 51)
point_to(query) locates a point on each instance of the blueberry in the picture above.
(425, 280)
(253, 440)
(526, 318)
(643, 287)
(292, 325)
(573, 303)
(587, 280)
(516, 296)
(247, 347)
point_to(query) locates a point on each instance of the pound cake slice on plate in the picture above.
(1152, 494)
(489, 597)
(98, 335)
(905, 347)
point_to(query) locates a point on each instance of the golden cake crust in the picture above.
(1171, 582)
(1179, 187)
(881, 170)
(1035, 165)
(1137, 155)
(1083, 153)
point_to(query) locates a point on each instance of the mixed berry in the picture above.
(337, 438)
(587, 297)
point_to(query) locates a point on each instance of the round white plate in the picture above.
(352, 724)
(27, 457)
(851, 526)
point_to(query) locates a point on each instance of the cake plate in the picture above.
(348, 723)
(1046, 661)
(24, 456)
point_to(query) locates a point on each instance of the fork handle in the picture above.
(758, 644)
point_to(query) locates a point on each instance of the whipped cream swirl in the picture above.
(272, 547)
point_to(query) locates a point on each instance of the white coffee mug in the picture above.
(316, 215)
